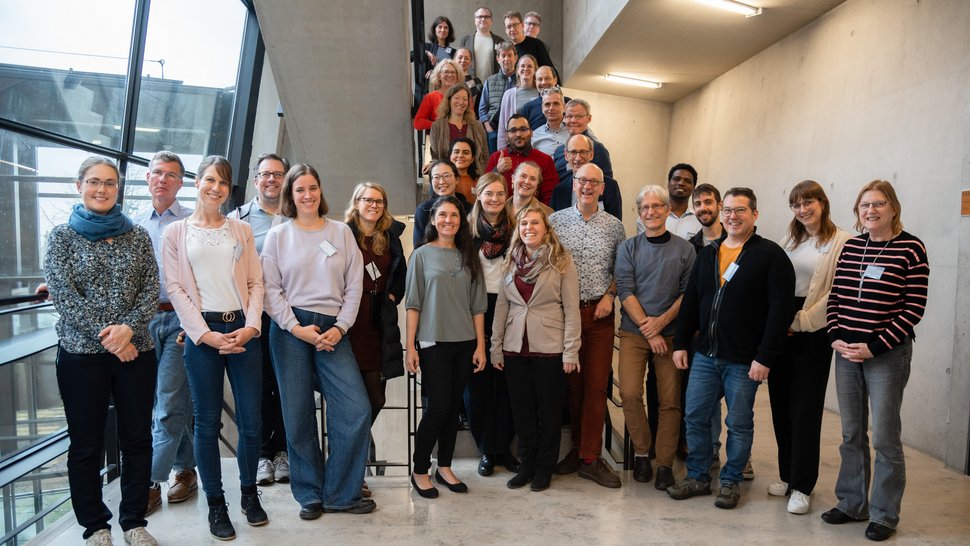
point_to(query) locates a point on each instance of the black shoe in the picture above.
(837, 517)
(250, 507)
(540, 483)
(311, 511)
(219, 525)
(463, 423)
(665, 478)
(486, 466)
(459, 487)
(878, 532)
(508, 461)
(642, 469)
(430, 493)
(570, 463)
(521, 479)
(363, 506)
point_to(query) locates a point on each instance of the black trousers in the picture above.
(445, 369)
(796, 387)
(274, 434)
(88, 382)
(537, 388)
(487, 400)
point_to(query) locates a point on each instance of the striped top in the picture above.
(879, 291)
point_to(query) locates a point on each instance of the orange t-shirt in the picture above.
(726, 256)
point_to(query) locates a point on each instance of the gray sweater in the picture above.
(656, 271)
(445, 293)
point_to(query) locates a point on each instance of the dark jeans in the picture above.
(88, 382)
(537, 387)
(487, 400)
(274, 433)
(445, 369)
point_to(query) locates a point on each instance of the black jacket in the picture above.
(698, 239)
(562, 195)
(422, 215)
(384, 310)
(746, 319)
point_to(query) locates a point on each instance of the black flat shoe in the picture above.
(540, 483)
(837, 517)
(311, 511)
(486, 467)
(508, 461)
(430, 493)
(878, 532)
(459, 487)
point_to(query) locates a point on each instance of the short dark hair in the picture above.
(512, 15)
(271, 156)
(743, 192)
(166, 156)
(473, 168)
(706, 188)
(517, 116)
(287, 206)
(683, 166)
(451, 30)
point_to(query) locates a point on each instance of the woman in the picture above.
(215, 282)
(440, 37)
(314, 274)
(444, 182)
(378, 236)
(514, 97)
(878, 296)
(526, 179)
(463, 57)
(444, 76)
(489, 410)
(445, 302)
(456, 119)
(535, 340)
(101, 275)
(797, 387)
(463, 154)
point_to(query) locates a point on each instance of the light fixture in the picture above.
(736, 7)
(634, 81)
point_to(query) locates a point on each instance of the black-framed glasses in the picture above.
(591, 182)
(266, 175)
(371, 202)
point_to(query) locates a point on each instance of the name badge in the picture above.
(874, 271)
(372, 270)
(328, 248)
(425, 344)
(237, 251)
(732, 268)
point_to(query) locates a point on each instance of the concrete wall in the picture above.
(584, 22)
(873, 89)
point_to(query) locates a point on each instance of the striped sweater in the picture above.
(881, 312)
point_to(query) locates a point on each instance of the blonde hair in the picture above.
(435, 80)
(477, 212)
(887, 189)
(352, 217)
(558, 256)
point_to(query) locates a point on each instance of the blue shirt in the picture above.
(258, 219)
(155, 224)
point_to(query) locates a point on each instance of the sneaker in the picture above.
(154, 499)
(778, 489)
(665, 478)
(569, 463)
(250, 507)
(363, 506)
(219, 525)
(600, 472)
(102, 537)
(748, 472)
(799, 503)
(186, 483)
(688, 488)
(728, 495)
(282, 464)
(265, 472)
(139, 537)
(642, 469)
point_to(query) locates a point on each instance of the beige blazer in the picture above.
(551, 316)
(811, 317)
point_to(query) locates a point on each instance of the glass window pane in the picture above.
(189, 77)
(138, 200)
(63, 66)
(32, 409)
(42, 488)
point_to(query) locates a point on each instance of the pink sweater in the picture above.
(183, 291)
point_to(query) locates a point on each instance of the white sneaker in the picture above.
(778, 489)
(264, 472)
(799, 503)
(139, 537)
(282, 464)
(102, 537)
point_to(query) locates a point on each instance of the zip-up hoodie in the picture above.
(746, 319)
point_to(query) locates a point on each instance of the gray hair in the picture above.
(165, 156)
(580, 102)
(658, 191)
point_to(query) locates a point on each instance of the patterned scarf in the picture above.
(493, 242)
(527, 268)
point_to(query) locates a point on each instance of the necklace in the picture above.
(862, 263)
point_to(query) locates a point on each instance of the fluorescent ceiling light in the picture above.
(736, 7)
(634, 81)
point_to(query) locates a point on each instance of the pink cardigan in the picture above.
(180, 280)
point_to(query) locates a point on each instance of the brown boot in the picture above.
(154, 498)
(569, 463)
(599, 472)
(185, 484)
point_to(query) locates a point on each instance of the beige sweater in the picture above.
(811, 317)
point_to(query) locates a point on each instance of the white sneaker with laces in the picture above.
(102, 537)
(139, 537)
(799, 503)
(264, 472)
(282, 464)
(778, 489)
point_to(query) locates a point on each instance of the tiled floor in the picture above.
(936, 510)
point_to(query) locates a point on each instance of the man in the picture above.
(525, 182)
(579, 152)
(494, 87)
(482, 45)
(172, 430)
(525, 44)
(577, 118)
(533, 24)
(652, 271)
(545, 79)
(520, 149)
(553, 133)
(263, 213)
(707, 209)
(591, 237)
(740, 300)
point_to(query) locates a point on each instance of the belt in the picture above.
(219, 316)
(590, 303)
(166, 306)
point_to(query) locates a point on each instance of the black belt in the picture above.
(590, 303)
(219, 316)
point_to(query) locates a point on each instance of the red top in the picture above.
(550, 178)
(428, 111)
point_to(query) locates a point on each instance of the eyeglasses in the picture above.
(568, 117)
(739, 211)
(442, 177)
(803, 204)
(580, 153)
(449, 73)
(369, 202)
(873, 205)
(514, 130)
(656, 207)
(266, 175)
(97, 183)
(591, 182)
(493, 194)
(168, 176)
(483, 17)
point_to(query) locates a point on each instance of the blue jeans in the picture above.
(206, 370)
(300, 368)
(709, 377)
(877, 383)
(172, 420)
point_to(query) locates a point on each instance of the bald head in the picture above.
(579, 151)
(588, 186)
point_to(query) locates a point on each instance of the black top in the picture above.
(423, 213)
(536, 48)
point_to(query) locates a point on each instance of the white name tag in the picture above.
(874, 271)
(372, 270)
(732, 268)
(328, 248)
(425, 344)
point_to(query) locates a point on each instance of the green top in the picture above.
(445, 293)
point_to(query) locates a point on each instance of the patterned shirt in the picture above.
(592, 244)
(97, 284)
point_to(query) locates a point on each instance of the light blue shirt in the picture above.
(546, 140)
(155, 224)
(259, 220)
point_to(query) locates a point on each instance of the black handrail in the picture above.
(39, 297)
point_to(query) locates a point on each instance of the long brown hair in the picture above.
(444, 109)
(797, 233)
(287, 204)
(558, 256)
(887, 189)
(478, 212)
(352, 217)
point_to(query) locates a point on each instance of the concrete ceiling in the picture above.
(685, 44)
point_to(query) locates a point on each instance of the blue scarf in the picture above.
(94, 227)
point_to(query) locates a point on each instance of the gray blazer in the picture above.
(468, 42)
(551, 316)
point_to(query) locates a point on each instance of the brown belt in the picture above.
(166, 306)
(590, 303)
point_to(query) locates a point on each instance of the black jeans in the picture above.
(274, 434)
(487, 400)
(88, 382)
(445, 369)
(537, 388)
